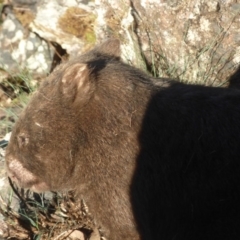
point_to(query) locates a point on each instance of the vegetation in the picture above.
(39, 217)
(17, 91)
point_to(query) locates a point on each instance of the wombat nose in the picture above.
(12, 169)
(18, 173)
(23, 140)
(13, 166)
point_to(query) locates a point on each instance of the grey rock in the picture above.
(21, 49)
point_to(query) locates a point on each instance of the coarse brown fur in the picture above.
(152, 160)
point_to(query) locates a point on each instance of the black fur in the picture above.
(186, 184)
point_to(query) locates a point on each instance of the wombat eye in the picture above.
(22, 140)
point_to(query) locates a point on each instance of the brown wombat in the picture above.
(153, 160)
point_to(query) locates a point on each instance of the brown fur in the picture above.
(81, 130)
(142, 155)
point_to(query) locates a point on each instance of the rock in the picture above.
(76, 15)
(3, 230)
(21, 49)
(194, 40)
(197, 40)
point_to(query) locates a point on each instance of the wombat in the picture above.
(153, 159)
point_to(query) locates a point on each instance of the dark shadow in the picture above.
(58, 55)
(186, 183)
(234, 80)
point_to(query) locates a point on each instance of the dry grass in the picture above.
(17, 92)
(39, 217)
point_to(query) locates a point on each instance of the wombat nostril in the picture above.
(22, 140)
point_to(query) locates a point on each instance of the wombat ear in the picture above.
(110, 47)
(75, 84)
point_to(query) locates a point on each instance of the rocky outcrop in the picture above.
(21, 48)
(196, 41)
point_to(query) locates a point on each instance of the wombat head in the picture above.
(81, 114)
(50, 132)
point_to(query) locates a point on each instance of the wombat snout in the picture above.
(23, 177)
